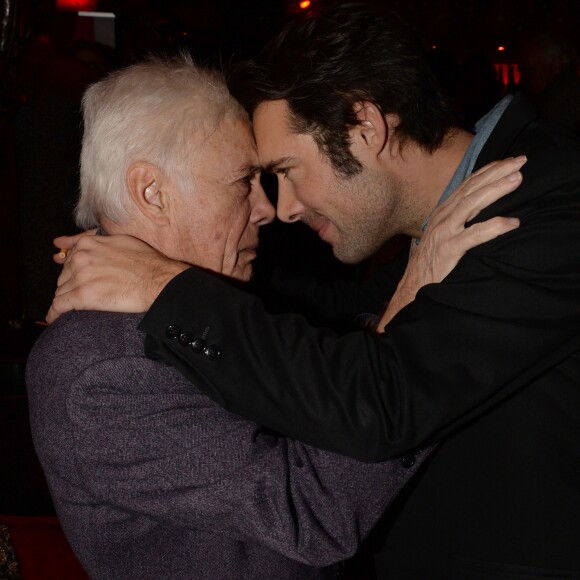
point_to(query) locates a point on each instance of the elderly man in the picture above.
(150, 478)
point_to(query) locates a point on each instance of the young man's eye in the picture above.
(284, 172)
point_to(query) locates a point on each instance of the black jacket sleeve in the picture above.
(341, 304)
(507, 314)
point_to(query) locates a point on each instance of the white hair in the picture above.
(158, 111)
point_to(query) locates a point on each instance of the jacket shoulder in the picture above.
(83, 339)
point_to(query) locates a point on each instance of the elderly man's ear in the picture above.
(144, 181)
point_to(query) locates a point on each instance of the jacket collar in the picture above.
(519, 114)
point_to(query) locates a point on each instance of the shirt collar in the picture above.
(483, 129)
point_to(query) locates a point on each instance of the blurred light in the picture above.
(516, 74)
(503, 73)
(304, 4)
(501, 48)
(76, 4)
(508, 73)
(434, 47)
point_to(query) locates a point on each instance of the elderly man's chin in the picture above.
(246, 274)
(241, 270)
(244, 268)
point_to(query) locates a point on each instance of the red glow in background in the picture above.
(76, 4)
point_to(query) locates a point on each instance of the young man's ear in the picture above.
(375, 131)
(144, 185)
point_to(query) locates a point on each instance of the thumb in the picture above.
(66, 243)
(69, 242)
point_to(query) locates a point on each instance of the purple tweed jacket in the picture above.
(152, 480)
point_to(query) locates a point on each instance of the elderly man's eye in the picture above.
(247, 183)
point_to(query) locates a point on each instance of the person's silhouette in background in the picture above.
(549, 75)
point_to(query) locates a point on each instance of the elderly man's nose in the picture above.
(263, 211)
(289, 208)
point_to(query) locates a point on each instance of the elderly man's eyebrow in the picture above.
(242, 173)
(273, 166)
(246, 170)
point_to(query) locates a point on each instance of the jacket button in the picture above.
(211, 352)
(172, 331)
(186, 338)
(197, 345)
(408, 461)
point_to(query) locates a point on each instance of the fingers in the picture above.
(446, 239)
(54, 312)
(82, 260)
(475, 235)
(51, 315)
(484, 195)
(64, 296)
(66, 243)
(116, 273)
(63, 278)
(61, 304)
(487, 176)
(490, 165)
(493, 171)
(58, 306)
(479, 191)
(485, 231)
(60, 257)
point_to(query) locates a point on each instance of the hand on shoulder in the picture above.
(109, 273)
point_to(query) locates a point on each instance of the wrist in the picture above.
(169, 270)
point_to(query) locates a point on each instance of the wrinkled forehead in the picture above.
(227, 149)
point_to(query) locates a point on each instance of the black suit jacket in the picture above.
(487, 360)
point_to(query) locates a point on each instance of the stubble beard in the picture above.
(373, 220)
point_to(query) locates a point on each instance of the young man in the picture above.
(348, 115)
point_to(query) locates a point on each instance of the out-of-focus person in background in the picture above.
(550, 75)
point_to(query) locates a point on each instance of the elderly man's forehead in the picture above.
(229, 151)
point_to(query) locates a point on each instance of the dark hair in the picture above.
(323, 65)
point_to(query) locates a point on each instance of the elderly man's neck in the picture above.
(134, 226)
